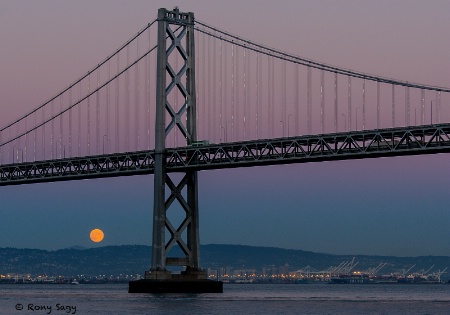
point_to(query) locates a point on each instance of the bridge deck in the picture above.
(428, 139)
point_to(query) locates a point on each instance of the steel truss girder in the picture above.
(310, 148)
(101, 166)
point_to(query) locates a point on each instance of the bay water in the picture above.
(21, 299)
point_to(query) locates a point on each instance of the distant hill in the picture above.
(76, 247)
(134, 259)
(108, 260)
(239, 256)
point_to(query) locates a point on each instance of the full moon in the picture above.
(96, 235)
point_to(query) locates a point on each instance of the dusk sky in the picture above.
(389, 206)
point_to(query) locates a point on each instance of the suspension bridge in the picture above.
(182, 96)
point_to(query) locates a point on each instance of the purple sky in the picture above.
(395, 206)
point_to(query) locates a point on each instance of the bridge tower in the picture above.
(175, 36)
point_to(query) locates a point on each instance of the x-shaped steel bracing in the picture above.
(175, 32)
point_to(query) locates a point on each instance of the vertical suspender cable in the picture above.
(363, 106)
(108, 109)
(79, 120)
(283, 97)
(244, 67)
(378, 104)
(97, 113)
(393, 105)
(422, 109)
(34, 138)
(335, 102)
(220, 93)
(17, 142)
(61, 127)
(408, 106)
(208, 85)
(136, 101)
(7, 151)
(269, 90)
(70, 123)
(248, 86)
(89, 117)
(237, 101)
(147, 93)
(309, 100)
(297, 100)
(322, 101)
(25, 140)
(225, 90)
(249, 112)
(258, 91)
(272, 101)
(204, 116)
(43, 133)
(127, 103)
(407, 114)
(9, 147)
(52, 134)
(438, 100)
(232, 90)
(349, 112)
(117, 123)
(214, 95)
(197, 44)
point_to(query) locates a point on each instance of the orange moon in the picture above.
(96, 235)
